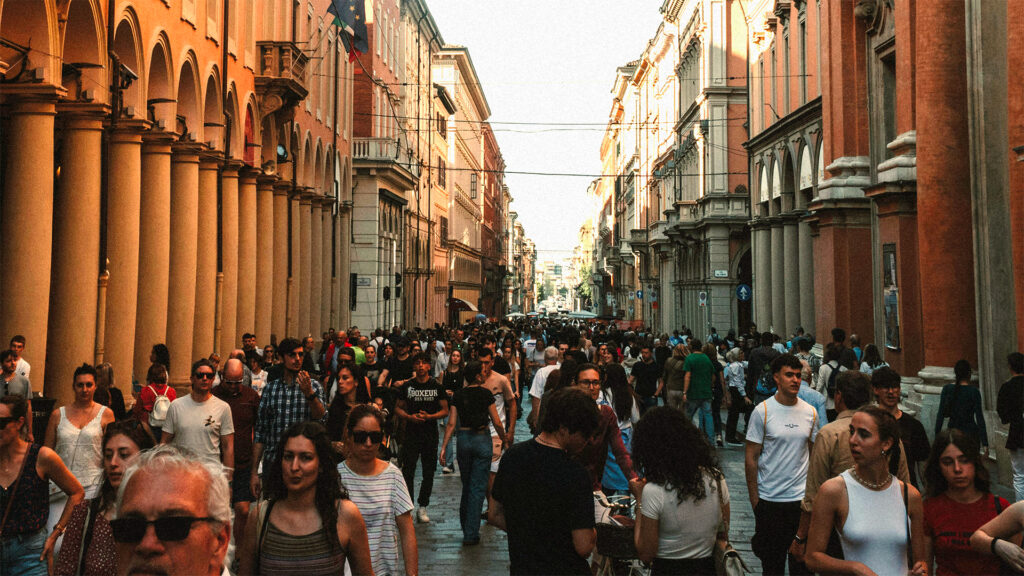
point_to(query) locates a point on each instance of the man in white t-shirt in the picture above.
(21, 366)
(200, 421)
(540, 379)
(780, 434)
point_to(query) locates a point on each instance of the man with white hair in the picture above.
(173, 515)
(539, 380)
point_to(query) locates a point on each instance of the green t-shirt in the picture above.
(702, 373)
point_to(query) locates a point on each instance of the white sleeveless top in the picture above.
(81, 449)
(875, 532)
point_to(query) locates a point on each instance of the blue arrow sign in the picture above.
(744, 292)
(639, 294)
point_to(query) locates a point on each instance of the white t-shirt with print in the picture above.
(199, 426)
(785, 434)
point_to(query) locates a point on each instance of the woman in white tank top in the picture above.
(868, 506)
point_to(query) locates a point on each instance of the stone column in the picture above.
(806, 257)
(124, 182)
(791, 270)
(302, 283)
(294, 275)
(762, 240)
(279, 310)
(246, 321)
(184, 228)
(264, 257)
(229, 337)
(316, 249)
(344, 227)
(154, 251)
(28, 197)
(206, 257)
(76, 248)
(328, 295)
(944, 191)
(778, 255)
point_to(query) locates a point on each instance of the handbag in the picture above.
(727, 560)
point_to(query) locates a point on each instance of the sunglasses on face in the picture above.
(204, 375)
(168, 529)
(360, 437)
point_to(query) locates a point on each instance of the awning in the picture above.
(460, 304)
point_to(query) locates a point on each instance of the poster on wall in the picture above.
(891, 297)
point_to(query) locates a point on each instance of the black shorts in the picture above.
(240, 491)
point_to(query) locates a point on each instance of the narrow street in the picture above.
(441, 551)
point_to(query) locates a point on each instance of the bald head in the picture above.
(233, 370)
(237, 354)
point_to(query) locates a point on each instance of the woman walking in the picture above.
(452, 380)
(684, 500)
(877, 515)
(89, 547)
(618, 395)
(472, 407)
(961, 403)
(304, 493)
(379, 490)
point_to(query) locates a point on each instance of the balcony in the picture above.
(383, 151)
(281, 79)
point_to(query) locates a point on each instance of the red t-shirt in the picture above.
(950, 524)
(148, 396)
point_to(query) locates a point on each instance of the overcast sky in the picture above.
(546, 62)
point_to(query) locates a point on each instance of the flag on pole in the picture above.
(350, 16)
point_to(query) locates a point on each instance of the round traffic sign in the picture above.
(744, 292)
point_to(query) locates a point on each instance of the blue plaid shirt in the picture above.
(282, 405)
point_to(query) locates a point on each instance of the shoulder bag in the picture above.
(727, 560)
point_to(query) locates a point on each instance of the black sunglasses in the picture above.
(360, 436)
(204, 375)
(168, 529)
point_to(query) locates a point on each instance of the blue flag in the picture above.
(350, 16)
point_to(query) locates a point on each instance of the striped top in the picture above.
(307, 555)
(380, 499)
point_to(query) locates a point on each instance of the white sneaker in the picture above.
(421, 515)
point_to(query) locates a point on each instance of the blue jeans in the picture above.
(704, 418)
(474, 452)
(19, 555)
(449, 453)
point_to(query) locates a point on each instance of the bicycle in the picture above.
(616, 551)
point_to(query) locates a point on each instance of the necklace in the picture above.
(871, 485)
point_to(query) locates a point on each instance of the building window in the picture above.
(472, 185)
(786, 74)
(803, 61)
(442, 171)
(442, 125)
(444, 230)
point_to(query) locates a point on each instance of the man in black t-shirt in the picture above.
(646, 378)
(543, 498)
(422, 401)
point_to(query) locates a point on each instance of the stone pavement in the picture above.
(440, 541)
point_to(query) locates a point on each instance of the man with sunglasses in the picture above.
(173, 515)
(294, 397)
(201, 422)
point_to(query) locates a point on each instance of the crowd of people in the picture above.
(291, 458)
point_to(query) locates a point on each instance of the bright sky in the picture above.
(549, 61)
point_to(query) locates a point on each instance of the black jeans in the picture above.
(683, 567)
(736, 407)
(775, 525)
(419, 444)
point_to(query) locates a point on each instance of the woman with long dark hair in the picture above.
(959, 502)
(872, 360)
(618, 395)
(452, 380)
(350, 378)
(869, 507)
(89, 526)
(684, 499)
(303, 492)
(379, 490)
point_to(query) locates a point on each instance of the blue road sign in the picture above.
(639, 294)
(744, 292)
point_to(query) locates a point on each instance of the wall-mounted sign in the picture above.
(721, 273)
(364, 281)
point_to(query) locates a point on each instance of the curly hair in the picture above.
(674, 453)
(329, 488)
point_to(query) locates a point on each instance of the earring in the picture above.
(884, 452)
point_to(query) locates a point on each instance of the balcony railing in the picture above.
(281, 80)
(382, 150)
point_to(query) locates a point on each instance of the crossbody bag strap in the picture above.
(906, 507)
(86, 535)
(264, 516)
(14, 491)
(724, 524)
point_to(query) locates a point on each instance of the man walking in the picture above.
(295, 397)
(542, 497)
(244, 403)
(422, 401)
(646, 379)
(780, 434)
(200, 422)
(698, 379)
(13, 383)
(1010, 407)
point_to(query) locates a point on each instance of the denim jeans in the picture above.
(474, 452)
(703, 410)
(19, 555)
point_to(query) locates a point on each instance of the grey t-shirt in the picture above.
(199, 426)
(18, 384)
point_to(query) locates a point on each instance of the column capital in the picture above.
(186, 152)
(157, 142)
(82, 115)
(128, 131)
(305, 194)
(248, 173)
(265, 181)
(32, 98)
(210, 159)
(230, 167)
(282, 187)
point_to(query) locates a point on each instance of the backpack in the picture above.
(765, 382)
(831, 385)
(160, 407)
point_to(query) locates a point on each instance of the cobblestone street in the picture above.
(441, 551)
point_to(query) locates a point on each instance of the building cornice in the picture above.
(786, 125)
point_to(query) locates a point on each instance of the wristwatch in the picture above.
(799, 540)
(311, 397)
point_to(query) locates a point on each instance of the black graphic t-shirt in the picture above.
(425, 397)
